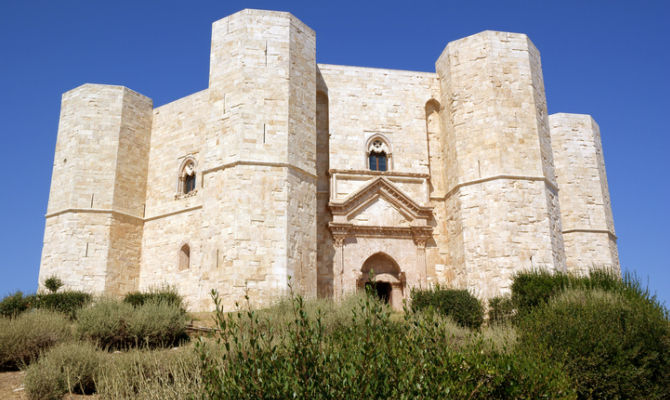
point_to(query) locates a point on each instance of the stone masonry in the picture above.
(285, 172)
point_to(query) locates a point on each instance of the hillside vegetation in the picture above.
(556, 337)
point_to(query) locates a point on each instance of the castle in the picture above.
(284, 171)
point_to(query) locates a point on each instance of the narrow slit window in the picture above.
(184, 257)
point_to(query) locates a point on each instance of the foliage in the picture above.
(24, 337)
(118, 325)
(613, 344)
(501, 310)
(460, 305)
(533, 288)
(166, 294)
(68, 302)
(66, 368)
(53, 283)
(371, 356)
(14, 304)
(65, 302)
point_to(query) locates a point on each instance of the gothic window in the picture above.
(379, 154)
(184, 257)
(377, 161)
(187, 177)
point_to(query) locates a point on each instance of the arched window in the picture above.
(184, 257)
(379, 154)
(187, 177)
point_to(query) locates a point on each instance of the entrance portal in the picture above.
(381, 274)
(381, 289)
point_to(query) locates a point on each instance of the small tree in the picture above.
(53, 283)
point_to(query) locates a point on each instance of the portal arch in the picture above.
(382, 273)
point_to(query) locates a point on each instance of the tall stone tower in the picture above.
(501, 190)
(92, 238)
(261, 152)
(586, 211)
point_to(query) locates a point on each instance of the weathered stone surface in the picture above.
(586, 210)
(279, 149)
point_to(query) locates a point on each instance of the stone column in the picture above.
(338, 267)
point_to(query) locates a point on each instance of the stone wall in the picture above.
(499, 165)
(586, 211)
(98, 189)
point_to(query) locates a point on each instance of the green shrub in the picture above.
(14, 304)
(66, 368)
(613, 344)
(118, 325)
(68, 302)
(53, 283)
(167, 294)
(460, 305)
(24, 337)
(533, 288)
(501, 310)
(65, 302)
(372, 356)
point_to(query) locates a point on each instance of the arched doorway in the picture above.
(382, 274)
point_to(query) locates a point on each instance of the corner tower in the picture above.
(586, 211)
(92, 238)
(500, 186)
(260, 161)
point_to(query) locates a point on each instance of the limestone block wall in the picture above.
(586, 211)
(499, 163)
(171, 218)
(103, 134)
(76, 247)
(366, 101)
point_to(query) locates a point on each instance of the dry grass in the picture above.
(24, 337)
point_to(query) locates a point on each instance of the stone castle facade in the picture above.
(285, 170)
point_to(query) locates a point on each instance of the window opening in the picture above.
(184, 257)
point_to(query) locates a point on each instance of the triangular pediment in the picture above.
(379, 212)
(380, 199)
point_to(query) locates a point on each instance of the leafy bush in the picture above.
(371, 356)
(14, 304)
(613, 344)
(68, 302)
(118, 325)
(533, 288)
(460, 305)
(167, 294)
(53, 283)
(24, 337)
(501, 310)
(66, 368)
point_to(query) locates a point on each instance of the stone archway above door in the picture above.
(378, 216)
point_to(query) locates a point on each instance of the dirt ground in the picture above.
(11, 388)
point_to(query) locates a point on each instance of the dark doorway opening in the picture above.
(381, 289)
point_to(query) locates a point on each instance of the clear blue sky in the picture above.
(610, 59)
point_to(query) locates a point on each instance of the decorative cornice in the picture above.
(388, 174)
(258, 163)
(183, 210)
(384, 187)
(609, 233)
(343, 230)
(92, 211)
(114, 212)
(494, 178)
